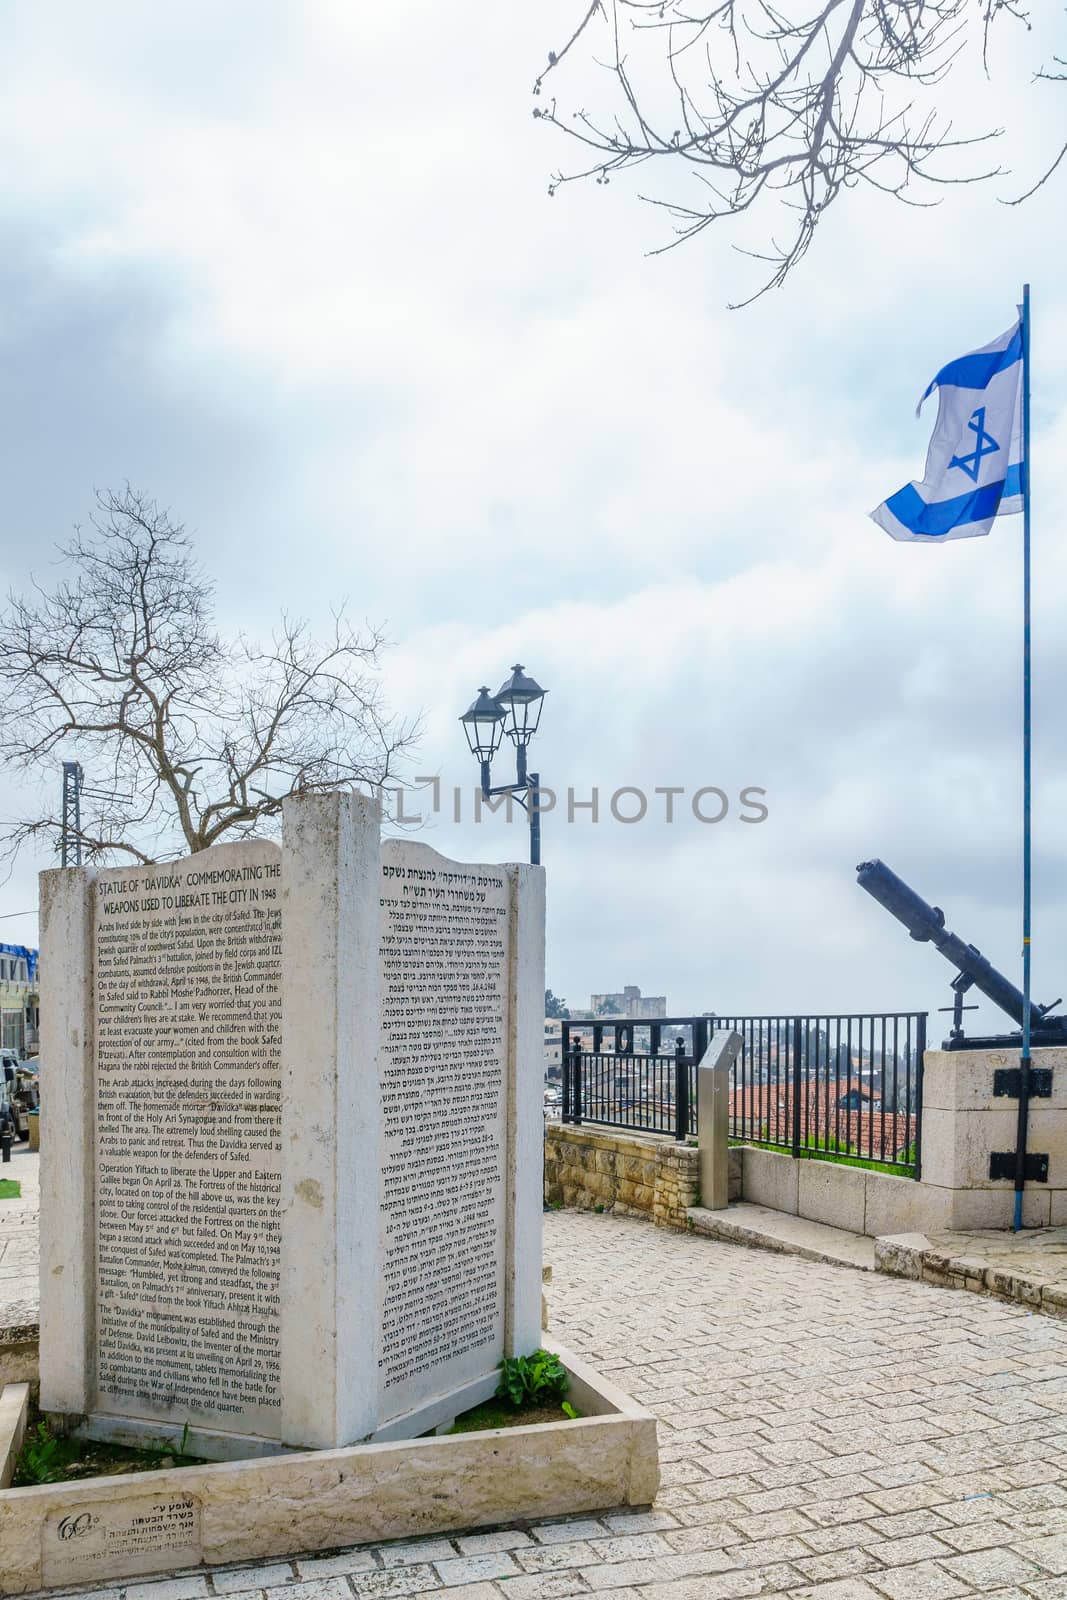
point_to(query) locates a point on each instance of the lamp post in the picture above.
(514, 710)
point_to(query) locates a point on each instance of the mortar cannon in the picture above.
(926, 923)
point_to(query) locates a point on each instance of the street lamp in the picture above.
(515, 709)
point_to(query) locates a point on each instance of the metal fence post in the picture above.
(796, 1033)
(565, 1085)
(681, 1092)
(920, 1052)
(576, 1082)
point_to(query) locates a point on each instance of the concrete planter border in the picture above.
(69, 1534)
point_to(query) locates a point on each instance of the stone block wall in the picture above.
(629, 1174)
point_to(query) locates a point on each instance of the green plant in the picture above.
(41, 1459)
(569, 1411)
(165, 1455)
(526, 1380)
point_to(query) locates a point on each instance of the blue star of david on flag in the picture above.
(978, 434)
(985, 446)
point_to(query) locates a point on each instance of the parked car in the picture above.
(18, 1093)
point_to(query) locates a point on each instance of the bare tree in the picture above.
(190, 739)
(771, 101)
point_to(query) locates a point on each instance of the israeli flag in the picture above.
(974, 463)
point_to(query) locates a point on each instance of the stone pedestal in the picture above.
(963, 1122)
(291, 1183)
(713, 1117)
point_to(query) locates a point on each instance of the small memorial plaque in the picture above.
(116, 1539)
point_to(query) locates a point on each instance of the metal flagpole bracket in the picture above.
(1002, 1164)
(1007, 1083)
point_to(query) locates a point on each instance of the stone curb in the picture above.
(911, 1255)
(14, 1410)
(846, 1250)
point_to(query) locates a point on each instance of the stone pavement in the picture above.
(19, 1296)
(826, 1433)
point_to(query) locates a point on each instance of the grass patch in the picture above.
(10, 1189)
(842, 1157)
(499, 1414)
(48, 1457)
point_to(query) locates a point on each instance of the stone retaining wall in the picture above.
(629, 1174)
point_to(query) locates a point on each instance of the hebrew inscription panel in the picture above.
(188, 995)
(118, 1539)
(445, 977)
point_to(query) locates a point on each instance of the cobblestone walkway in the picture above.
(18, 1241)
(824, 1432)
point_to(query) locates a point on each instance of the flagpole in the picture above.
(1024, 1061)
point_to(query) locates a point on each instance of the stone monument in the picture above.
(291, 1186)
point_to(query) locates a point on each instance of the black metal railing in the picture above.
(845, 1086)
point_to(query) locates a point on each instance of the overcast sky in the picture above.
(294, 271)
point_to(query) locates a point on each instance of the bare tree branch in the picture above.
(771, 104)
(189, 739)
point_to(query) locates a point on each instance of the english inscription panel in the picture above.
(187, 976)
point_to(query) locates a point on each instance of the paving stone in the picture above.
(472, 1591)
(261, 1577)
(698, 1563)
(1050, 1553)
(471, 1569)
(904, 1552)
(729, 1586)
(760, 1551)
(316, 1589)
(187, 1588)
(979, 1535)
(926, 1580)
(836, 1564)
(988, 1569)
(409, 1554)
(839, 1589)
(908, 1497)
(478, 1544)
(770, 1524)
(709, 1536)
(632, 1547)
(977, 1508)
(556, 1557)
(396, 1582)
(776, 1499)
(337, 1565)
(835, 1513)
(639, 1521)
(565, 1532)
(548, 1586)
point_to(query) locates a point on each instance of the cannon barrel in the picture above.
(926, 922)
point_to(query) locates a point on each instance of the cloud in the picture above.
(302, 280)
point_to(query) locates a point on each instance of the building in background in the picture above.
(553, 1047)
(628, 1002)
(19, 999)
